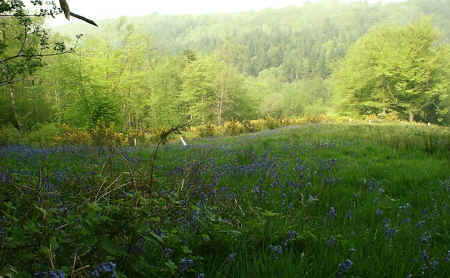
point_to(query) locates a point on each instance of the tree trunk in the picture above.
(16, 121)
(411, 116)
(222, 92)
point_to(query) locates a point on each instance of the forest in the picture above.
(352, 59)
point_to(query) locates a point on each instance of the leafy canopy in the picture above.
(398, 69)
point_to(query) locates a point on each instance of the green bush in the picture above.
(208, 130)
(44, 135)
(234, 128)
(273, 123)
(9, 135)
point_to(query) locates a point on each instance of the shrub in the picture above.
(73, 136)
(208, 130)
(233, 128)
(249, 126)
(272, 123)
(107, 136)
(9, 135)
(44, 135)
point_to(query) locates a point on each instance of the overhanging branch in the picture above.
(35, 55)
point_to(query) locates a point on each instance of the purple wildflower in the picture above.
(434, 264)
(292, 235)
(405, 206)
(346, 265)
(420, 224)
(331, 241)
(425, 238)
(231, 257)
(109, 267)
(348, 215)
(185, 264)
(391, 232)
(276, 250)
(386, 222)
(167, 252)
(332, 212)
(50, 274)
(424, 255)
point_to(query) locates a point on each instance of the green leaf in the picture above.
(186, 250)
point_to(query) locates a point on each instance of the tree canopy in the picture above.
(158, 71)
(396, 69)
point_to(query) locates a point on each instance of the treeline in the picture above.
(302, 41)
(159, 71)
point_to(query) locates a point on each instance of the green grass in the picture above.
(388, 184)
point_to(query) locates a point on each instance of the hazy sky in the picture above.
(102, 9)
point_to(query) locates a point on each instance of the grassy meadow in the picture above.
(314, 200)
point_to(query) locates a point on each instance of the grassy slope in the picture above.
(350, 168)
(382, 182)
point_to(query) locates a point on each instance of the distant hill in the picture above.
(300, 41)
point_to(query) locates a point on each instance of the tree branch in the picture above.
(22, 15)
(35, 55)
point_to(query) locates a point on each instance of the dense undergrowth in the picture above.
(54, 134)
(328, 200)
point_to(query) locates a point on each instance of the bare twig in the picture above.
(162, 140)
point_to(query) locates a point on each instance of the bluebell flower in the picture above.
(348, 215)
(405, 206)
(378, 212)
(331, 241)
(424, 268)
(434, 264)
(312, 198)
(159, 232)
(425, 238)
(386, 222)
(346, 265)
(420, 224)
(50, 274)
(167, 252)
(201, 275)
(292, 235)
(332, 212)
(424, 255)
(109, 267)
(276, 250)
(185, 264)
(231, 257)
(447, 258)
(391, 232)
